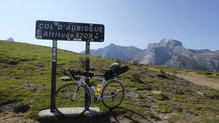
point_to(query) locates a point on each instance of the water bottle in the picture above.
(98, 89)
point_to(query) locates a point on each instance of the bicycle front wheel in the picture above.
(70, 100)
(113, 94)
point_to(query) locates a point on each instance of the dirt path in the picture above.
(196, 79)
(200, 79)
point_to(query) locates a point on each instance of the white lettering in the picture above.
(67, 35)
(86, 28)
(54, 45)
(73, 27)
(41, 26)
(85, 35)
(54, 49)
(82, 28)
(46, 26)
(101, 29)
(62, 35)
(59, 34)
(81, 35)
(51, 26)
(78, 28)
(90, 35)
(68, 27)
(60, 27)
(45, 34)
(53, 34)
(54, 54)
(96, 29)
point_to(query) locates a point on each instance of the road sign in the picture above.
(70, 31)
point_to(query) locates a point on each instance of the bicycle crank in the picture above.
(95, 100)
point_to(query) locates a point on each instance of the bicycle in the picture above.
(73, 94)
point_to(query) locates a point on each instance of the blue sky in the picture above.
(127, 22)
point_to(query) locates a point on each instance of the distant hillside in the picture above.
(116, 52)
(170, 52)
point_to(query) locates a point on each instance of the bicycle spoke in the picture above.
(113, 94)
(68, 102)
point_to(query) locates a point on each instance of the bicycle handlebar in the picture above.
(72, 73)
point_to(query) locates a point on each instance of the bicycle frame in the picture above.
(82, 82)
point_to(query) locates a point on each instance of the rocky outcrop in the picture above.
(171, 52)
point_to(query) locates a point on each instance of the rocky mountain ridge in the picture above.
(113, 51)
(170, 53)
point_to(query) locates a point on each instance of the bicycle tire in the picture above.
(63, 100)
(113, 94)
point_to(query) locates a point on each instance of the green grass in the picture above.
(25, 81)
(153, 116)
(212, 95)
(25, 74)
(168, 107)
(213, 75)
(161, 97)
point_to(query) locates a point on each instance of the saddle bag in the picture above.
(114, 70)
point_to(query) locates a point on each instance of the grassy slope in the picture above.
(25, 76)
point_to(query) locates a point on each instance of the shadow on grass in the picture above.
(112, 116)
(79, 119)
(131, 112)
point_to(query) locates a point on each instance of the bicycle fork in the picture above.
(79, 84)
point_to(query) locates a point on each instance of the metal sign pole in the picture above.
(87, 56)
(53, 80)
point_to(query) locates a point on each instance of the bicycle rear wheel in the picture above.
(69, 104)
(113, 94)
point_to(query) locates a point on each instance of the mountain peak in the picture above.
(113, 51)
(166, 43)
(112, 45)
(170, 43)
(10, 39)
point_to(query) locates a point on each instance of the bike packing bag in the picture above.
(122, 70)
(114, 71)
